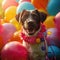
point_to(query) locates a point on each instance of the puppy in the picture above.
(33, 33)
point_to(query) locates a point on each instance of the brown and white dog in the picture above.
(33, 33)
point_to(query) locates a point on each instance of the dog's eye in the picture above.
(24, 17)
(35, 17)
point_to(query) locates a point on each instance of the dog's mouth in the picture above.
(30, 32)
(31, 28)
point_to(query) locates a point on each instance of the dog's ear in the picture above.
(19, 16)
(42, 15)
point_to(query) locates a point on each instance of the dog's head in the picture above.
(31, 20)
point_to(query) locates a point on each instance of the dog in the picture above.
(33, 33)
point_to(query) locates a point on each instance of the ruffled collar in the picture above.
(33, 39)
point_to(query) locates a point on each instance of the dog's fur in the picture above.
(31, 22)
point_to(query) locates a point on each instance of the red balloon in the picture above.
(14, 51)
(8, 3)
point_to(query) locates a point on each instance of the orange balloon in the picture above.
(40, 4)
(16, 37)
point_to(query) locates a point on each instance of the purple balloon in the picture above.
(52, 37)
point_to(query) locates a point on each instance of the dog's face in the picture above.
(31, 20)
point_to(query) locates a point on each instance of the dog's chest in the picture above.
(36, 51)
(39, 49)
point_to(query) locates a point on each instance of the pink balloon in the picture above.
(57, 21)
(8, 3)
(14, 51)
(6, 31)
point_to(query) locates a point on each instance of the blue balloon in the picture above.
(53, 7)
(26, 6)
(54, 51)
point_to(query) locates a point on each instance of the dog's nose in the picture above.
(31, 25)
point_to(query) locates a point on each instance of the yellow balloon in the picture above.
(49, 22)
(1, 1)
(1, 10)
(16, 23)
(10, 12)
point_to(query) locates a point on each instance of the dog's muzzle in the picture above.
(31, 26)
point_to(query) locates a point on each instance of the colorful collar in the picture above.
(33, 39)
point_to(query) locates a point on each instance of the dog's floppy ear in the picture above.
(42, 15)
(19, 16)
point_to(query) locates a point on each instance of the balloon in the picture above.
(54, 51)
(10, 12)
(6, 32)
(1, 39)
(14, 51)
(16, 23)
(40, 4)
(52, 37)
(1, 10)
(57, 23)
(53, 7)
(25, 5)
(1, 1)
(8, 3)
(49, 22)
(57, 20)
